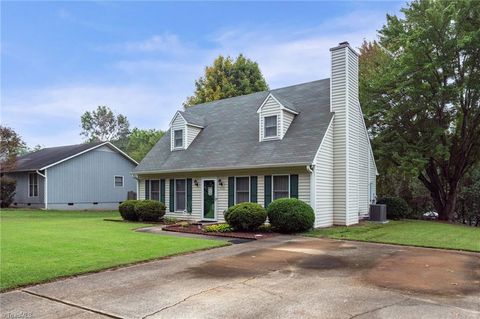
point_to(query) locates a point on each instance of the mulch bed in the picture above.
(197, 229)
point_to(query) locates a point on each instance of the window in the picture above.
(118, 181)
(155, 189)
(271, 126)
(281, 186)
(178, 138)
(32, 185)
(242, 189)
(180, 194)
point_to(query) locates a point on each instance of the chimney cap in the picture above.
(344, 43)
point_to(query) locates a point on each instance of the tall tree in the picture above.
(428, 121)
(104, 125)
(11, 145)
(140, 142)
(227, 78)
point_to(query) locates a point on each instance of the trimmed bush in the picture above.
(149, 210)
(127, 210)
(218, 228)
(245, 216)
(7, 192)
(290, 215)
(397, 208)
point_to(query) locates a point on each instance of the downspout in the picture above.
(310, 168)
(45, 187)
(138, 185)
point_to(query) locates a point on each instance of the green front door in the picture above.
(209, 199)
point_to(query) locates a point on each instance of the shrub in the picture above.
(289, 215)
(7, 191)
(397, 208)
(149, 210)
(127, 210)
(218, 228)
(245, 216)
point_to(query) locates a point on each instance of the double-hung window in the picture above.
(118, 181)
(178, 138)
(280, 187)
(270, 123)
(32, 185)
(155, 189)
(180, 195)
(242, 189)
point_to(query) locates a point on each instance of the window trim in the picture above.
(175, 195)
(273, 183)
(265, 127)
(115, 182)
(175, 147)
(36, 184)
(235, 189)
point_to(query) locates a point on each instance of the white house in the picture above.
(307, 141)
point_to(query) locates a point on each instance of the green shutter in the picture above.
(294, 186)
(268, 190)
(189, 195)
(253, 189)
(231, 191)
(147, 189)
(162, 191)
(172, 197)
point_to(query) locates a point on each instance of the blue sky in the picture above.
(59, 59)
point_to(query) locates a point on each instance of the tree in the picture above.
(7, 191)
(469, 197)
(428, 121)
(140, 142)
(103, 125)
(227, 78)
(11, 144)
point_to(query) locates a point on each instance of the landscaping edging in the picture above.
(194, 229)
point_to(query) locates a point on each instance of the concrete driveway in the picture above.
(281, 277)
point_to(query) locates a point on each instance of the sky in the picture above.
(60, 59)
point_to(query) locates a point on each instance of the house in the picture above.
(83, 176)
(307, 141)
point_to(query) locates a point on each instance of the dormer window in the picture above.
(178, 138)
(270, 126)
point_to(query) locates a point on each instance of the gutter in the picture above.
(186, 170)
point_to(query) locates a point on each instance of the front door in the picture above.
(209, 199)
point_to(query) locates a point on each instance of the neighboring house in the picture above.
(307, 141)
(83, 176)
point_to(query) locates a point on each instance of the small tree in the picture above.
(7, 191)
(140, 142)
(11, 145)
(227, 78)
(104, 125)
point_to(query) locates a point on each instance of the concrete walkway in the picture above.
(280, 277)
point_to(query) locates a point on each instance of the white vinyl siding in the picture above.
(323, 187)
(192, 132)
(287, 120)
(270, 108)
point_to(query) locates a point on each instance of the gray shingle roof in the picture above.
(46, 156)
(229, 138)
(285, 102)
(193, 118)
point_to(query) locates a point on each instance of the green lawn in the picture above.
(408, 232)
(38, 246)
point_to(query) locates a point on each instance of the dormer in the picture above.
(184, 128)
(274, 118)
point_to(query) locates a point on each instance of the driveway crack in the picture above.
(98, 312)
(243, 282)
(378, 308)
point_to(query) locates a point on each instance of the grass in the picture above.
(38, 246)
(408, 232)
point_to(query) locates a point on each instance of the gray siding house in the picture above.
(74, 177)
(307, 141)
